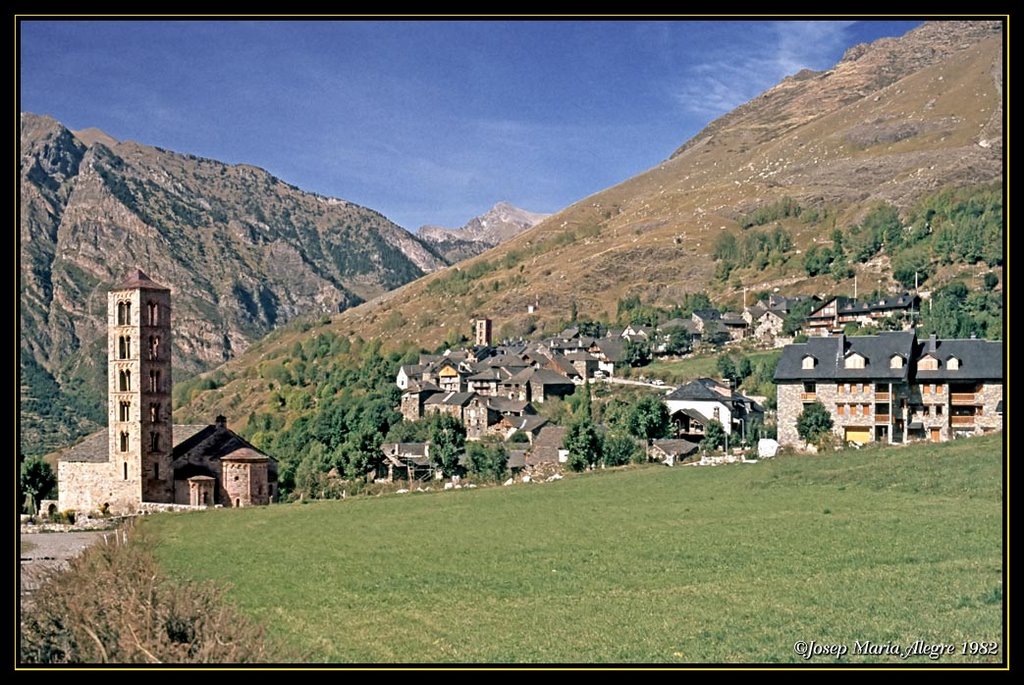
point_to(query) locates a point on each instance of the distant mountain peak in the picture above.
(498, 224)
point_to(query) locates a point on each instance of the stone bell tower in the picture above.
(139, 389)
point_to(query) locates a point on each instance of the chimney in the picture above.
(931, 342)
(220, 421)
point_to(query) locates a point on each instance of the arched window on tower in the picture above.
(154, 412)
(125, 380)
(124, 313)
(154, 347)
(124, 442)
(124, 411)
(154, 380)
(153, 312)
(124, 347)
(154, 442)
(125, 470)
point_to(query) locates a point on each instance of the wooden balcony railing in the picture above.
(881, 418)
(808, 396)
(882, 396)
(963, 398)
(962, 420)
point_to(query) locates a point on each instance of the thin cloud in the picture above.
(714, 87)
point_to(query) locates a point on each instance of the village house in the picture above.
(141, 459)
(693, 405)
(891, 387)
(610, 353)
(468, 407)
(835, 313)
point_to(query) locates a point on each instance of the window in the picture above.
(854, 409)
(938, 410)
(931, 389)
(125, 380)
(809, 387)
(156, 470)
(928, 363)
(716, 414)
(866, 410)
(124, 411)
(809, 362)
(124, 442)
(953, 364)
(154, 347)
(154, 412)
(940, 389)
(896, 362)
(847, 388)
(124, 347)
(153, 311)
(125, 470)
(154, 380)
(841, 409)
(154, 442)
(855, 361)
(124, 313)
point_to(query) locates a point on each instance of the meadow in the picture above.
(726, 564)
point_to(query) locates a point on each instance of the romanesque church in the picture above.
(141, 459)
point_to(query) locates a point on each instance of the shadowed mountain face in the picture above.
(241, 250)
(500, 223)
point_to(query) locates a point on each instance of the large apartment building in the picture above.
(892, 387)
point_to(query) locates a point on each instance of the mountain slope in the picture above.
(242, 251)
(894, 121)
(500, 223)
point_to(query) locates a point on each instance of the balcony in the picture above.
(881, 397)
(962, 420)
(882, 418)
(963, 398)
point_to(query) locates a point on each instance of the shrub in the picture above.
(113, 605)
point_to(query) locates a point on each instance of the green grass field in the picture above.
(688, 368)
(723, 564)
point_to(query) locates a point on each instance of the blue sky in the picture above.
(424, 121)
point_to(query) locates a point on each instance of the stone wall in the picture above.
(789, 407)
(86, 486)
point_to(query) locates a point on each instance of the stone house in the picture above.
(891, 387)
(835, 313)
(468, 407)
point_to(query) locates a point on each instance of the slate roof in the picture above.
(693, 414)
(404, 449)
(733, 319)
(546, 445)
(696, 391)
(214, 442)
(614, 349)
(94, 448)
(137, 279)
(707, 314)
(503, 405)
(459, 399)
(526, 423)
(980, 360)
(831, 352)
(516, 459)
(548, 377)
(676, 448)
(493, 373)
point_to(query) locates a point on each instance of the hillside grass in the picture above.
(728, 564)
(697, 366)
